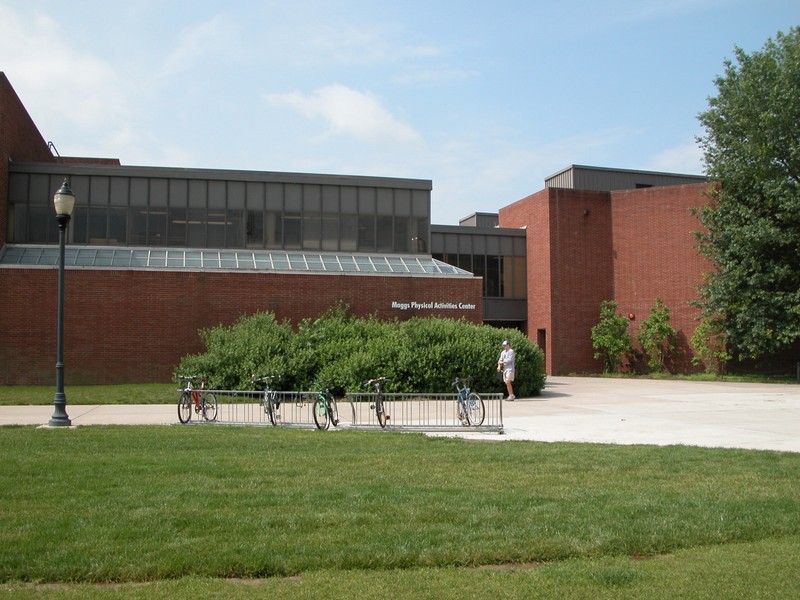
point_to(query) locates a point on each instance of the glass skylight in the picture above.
(226, 260)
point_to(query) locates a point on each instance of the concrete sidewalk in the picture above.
(575, 409)
(636, 411)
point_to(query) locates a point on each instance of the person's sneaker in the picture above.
(511, 398)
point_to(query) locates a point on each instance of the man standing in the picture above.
(506, 365)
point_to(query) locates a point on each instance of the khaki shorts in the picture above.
(508, 375)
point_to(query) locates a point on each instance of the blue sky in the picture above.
(484, 99)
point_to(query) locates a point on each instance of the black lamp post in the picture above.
(64, 202)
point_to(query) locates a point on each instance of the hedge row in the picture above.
(420, 354)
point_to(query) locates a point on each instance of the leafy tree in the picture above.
(752, 223)
(657, 336)
(710, 345)
(610, 337)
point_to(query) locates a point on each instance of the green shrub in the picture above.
(255, 345)
(710, 344)
(420, 354)
(610, 338)
(657, 337)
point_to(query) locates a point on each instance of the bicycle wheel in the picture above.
(321, 416)
(185, 407)
(380, 411)
(269, 408)
(333, 409)
(209, 403)
(462, 412)
(476, 411)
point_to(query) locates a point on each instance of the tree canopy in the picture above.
(751, 147)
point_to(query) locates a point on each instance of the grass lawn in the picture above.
(140, 393)
(238, 512)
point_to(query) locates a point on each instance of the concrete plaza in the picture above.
(576, 409)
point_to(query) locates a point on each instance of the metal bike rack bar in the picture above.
(244, 407)
(424, 412)
(407, 412)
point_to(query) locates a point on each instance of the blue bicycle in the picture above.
(470, 407)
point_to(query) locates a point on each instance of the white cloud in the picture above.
(307, 40)
(63, 88)
(205, 41)
(349, 112)
(685, 158)
(349, 44)
(88, 104)
(434, 74)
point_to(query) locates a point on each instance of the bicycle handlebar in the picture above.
(376, 380)
(264, 378)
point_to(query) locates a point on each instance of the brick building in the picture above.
(588, 246)
(155, 254)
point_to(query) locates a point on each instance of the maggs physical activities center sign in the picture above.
(433, 305)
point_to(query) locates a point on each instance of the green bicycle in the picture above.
(325, 411)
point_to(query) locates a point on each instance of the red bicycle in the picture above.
(204, 403)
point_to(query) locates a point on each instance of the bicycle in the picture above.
(324, 409)
(471, 410)
(378, 405)
(269, 401)
(203, 402)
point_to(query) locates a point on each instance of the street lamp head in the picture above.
(64, 200)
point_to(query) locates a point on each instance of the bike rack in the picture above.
(424, 412)
(407, 412)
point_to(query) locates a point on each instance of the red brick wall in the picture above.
(582, 274)
(134, 326)
(569, 270)
(585, 247)
(656, 257)
(19, 140)
(533, 212)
